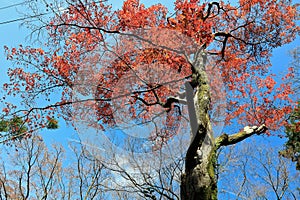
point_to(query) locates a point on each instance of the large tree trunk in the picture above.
(199, 180)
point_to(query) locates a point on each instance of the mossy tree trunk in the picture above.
(199, 180)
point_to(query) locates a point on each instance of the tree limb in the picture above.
(226, 140)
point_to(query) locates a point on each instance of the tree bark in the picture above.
(199, 180)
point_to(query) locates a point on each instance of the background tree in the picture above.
(292, 145)
(238, 37)
(259, 172)
(140, 177)
(249, 173)
(14, 129)
(295, 64)
(31, 170)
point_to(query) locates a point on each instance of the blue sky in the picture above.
(12, 34)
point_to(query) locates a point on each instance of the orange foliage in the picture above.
(239, 38)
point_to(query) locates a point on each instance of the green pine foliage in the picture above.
(52, 124)
(15, 128)
(292, 146)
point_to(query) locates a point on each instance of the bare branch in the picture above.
(225, 140)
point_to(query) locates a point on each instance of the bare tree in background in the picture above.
(31, 171)
(295, 54)
(257, 172)
(34, 171)
(143, 175)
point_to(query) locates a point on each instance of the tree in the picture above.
(292, 146)
(14, 129)
(292, 129)
(32, 170)
(55, 173)
(259, 172)
(140, 177)
(296, 66)
(131, 65)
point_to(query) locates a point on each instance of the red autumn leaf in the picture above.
(151, 72)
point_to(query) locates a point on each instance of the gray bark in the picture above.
(198, 181)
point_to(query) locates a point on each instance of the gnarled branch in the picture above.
(226, 140)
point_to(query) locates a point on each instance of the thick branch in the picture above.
(172, 99)
(137, 36)
(210, 6)
(224, 42)
(225, 140)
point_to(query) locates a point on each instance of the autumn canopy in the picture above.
(238, 38)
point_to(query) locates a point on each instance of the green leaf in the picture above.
(52, 124)
(292, 130)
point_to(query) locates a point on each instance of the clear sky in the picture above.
(11, 34)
